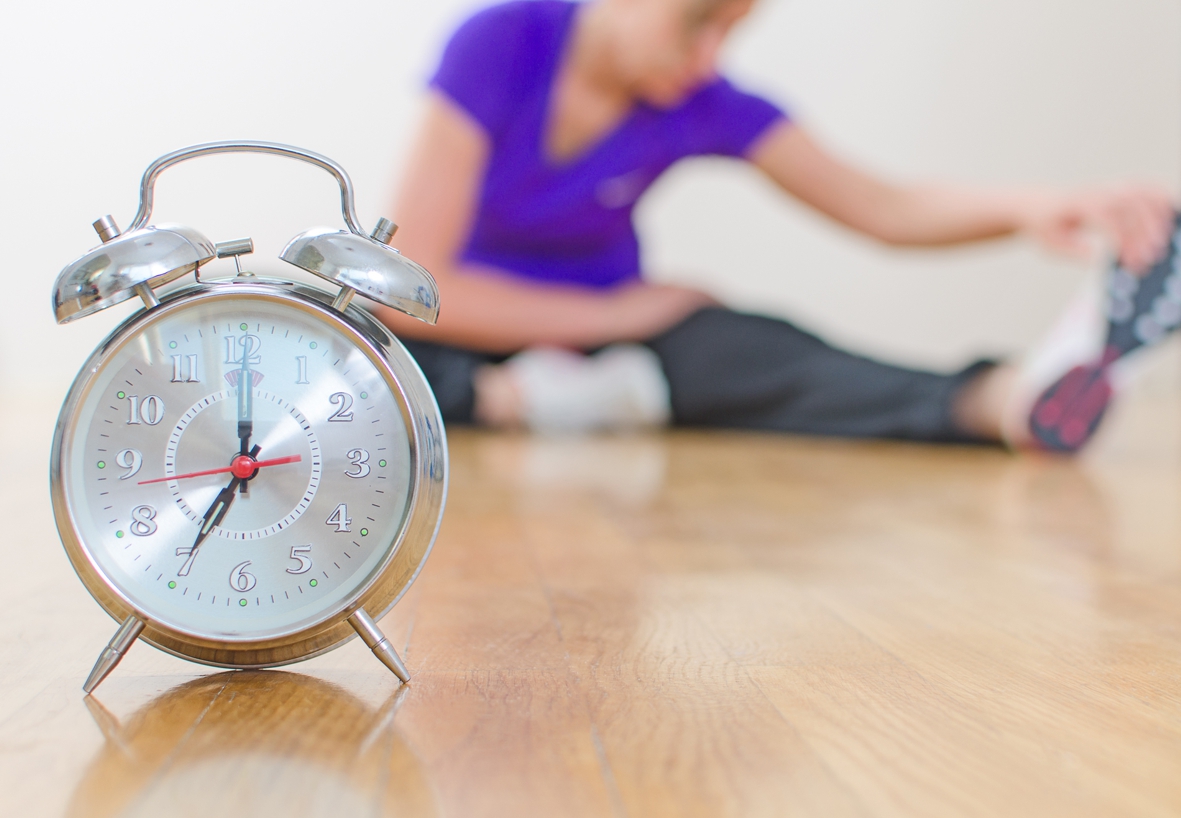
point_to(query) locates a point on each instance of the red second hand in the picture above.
(242, 466)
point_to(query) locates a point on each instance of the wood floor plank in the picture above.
(680, 624)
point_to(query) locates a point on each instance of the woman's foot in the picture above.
(1093, 347)
(557, 391)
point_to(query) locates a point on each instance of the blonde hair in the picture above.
(702, 10)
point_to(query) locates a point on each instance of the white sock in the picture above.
(620, 388)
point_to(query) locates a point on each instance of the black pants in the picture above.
(727, 369)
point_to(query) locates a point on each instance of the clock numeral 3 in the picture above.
(143, 521)
(360, 459)
(184, 369)
(299, 553)
(340, 518)
(151, 411)
(345, 413)
(241, 580)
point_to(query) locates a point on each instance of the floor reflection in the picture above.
(253, 743)
(626, 469)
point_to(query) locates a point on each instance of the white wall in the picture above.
(1060, 91)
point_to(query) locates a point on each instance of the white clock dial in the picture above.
(276, 502)
(238, 468)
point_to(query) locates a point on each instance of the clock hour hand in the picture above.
(245, 403)
(245, 406)
(213, 517)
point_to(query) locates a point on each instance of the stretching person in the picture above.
(546, 122)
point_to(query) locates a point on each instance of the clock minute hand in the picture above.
(212, 519)
(249, 465)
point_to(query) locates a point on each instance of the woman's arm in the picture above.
(486, 309)
(1136, 219)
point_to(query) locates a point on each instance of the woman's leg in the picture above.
(452, 373)
(734, 370)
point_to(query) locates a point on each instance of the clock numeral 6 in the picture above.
(340, 518)
(131, 460)
(240, 579)
(151, 411)
(143, 521)
(345, 413)
(360, 459)
(299, 553)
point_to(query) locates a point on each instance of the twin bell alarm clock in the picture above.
(248, 471)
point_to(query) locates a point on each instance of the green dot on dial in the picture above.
(312, 345)
(172, 344)
(119, 534)
(243, 326)
(102, 464)
(364, 395)
(381, 463)
(364, 532)
(171, 583)
(120, 395)
(242, 602)
(313, 583)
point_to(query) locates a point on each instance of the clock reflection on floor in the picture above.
(253, 743)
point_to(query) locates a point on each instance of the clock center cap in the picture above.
(243, 466)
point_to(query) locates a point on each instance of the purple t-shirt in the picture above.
(571, 222)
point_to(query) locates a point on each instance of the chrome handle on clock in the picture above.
(148, 183)
(148, 256)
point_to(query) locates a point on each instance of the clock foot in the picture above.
(128, 632)
(373, 637)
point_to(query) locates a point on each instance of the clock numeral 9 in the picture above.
(345, 413)
(143, 521)
(360, 459)
(151, 411)
(131, 460)
(299, 553)
(241, 580)
(340, 518)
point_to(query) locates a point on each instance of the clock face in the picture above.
(238, 467)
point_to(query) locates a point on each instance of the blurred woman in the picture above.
(546, 122)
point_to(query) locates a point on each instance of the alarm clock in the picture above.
(248, 471)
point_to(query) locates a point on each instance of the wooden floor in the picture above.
(673, 625)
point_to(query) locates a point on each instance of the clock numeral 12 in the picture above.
(182, 373)
(250, 344)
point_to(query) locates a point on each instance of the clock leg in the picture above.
(373, 637)
(128, 632)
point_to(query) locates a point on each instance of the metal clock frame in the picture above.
(149, 256)
(406, 554)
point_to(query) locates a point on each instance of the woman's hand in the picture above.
(638, 312)
(1136, 221)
